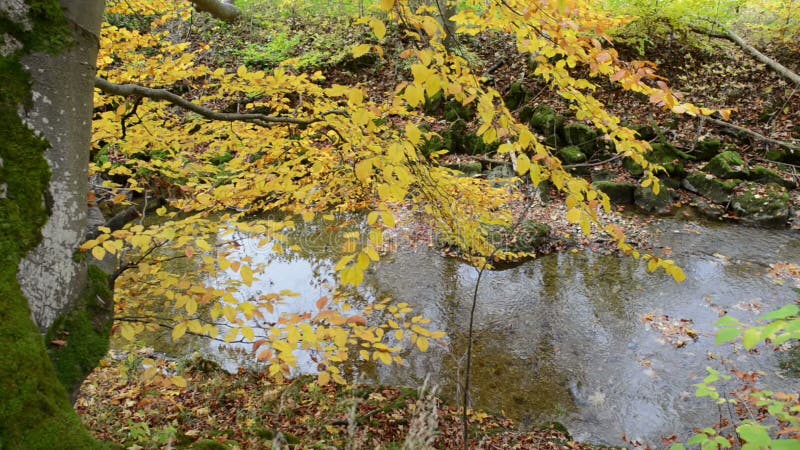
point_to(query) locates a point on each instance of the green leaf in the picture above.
(726, 335)
(677, 447)
(786, 444)
(783, 313)
(727, 321)
(751, 338)
(754, 434)
(697, 439)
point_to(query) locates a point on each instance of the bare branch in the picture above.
(775, 66)
(759, 136)
(134, 90)
(221, 10)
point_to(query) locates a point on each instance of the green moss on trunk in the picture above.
(35, 412)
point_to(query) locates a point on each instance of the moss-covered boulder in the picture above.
(705, 150)
(632, 167)
(434, 104)
(581, 136)
(526, 113)
(454, 110)
(516, 96)
(650, 202)
(762, 175)
(644, 132)
(618, 193)
(545, 120)
(529, 237)
(727, 165)
(784, 155)
(434, 144)
(468, 168)
(708, 186)
(763, 205)
(571, 155)
(670, 158)
(455, 137)
(666, 155)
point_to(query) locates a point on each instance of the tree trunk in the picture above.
(47, 58)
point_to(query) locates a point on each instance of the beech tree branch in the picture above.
(219, 9)
(134, 90)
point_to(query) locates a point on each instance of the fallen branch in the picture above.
(221, 10)
(759, 136)
(775, 66)
(134, 90)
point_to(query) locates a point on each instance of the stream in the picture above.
(563, 337)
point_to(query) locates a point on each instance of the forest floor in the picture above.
(247, 410)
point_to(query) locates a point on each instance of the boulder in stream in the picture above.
(708, 186)
(763, 205)
(618, 193)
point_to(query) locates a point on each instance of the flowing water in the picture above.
(563, 337)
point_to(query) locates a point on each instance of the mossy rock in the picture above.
(618, 193)
(545, 120)
(762, 175)
(632, 167)
(705, 150)
(708, 186)
(455, 137)
(784, 156)
(516, 96)
(434, 104)
(644, 132)
(571, 155)
(468, 168)
(434, 144)
(500, 172)
(763, 205)
(208, 444)
(529, 237)
(670, 158)
(582, 136)
(727, 165)
(454, 110)
(526, 113)
(650, 202)
(665, 155)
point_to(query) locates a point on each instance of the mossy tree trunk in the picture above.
(47, 58)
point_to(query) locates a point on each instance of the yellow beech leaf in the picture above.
(361, 50)
(378, 28)
(387, 5)
(413, 134)
(324, 378)
(178, 331)
(248, 333)
(99, 253)
(413, 95)
(523, 164)
(574, 215)
(126, 330)
(422, 344)
(179, 381)
(363, 170)
(247, 275)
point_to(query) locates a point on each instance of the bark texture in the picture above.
(46, 73)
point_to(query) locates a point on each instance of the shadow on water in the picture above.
(562, 337)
